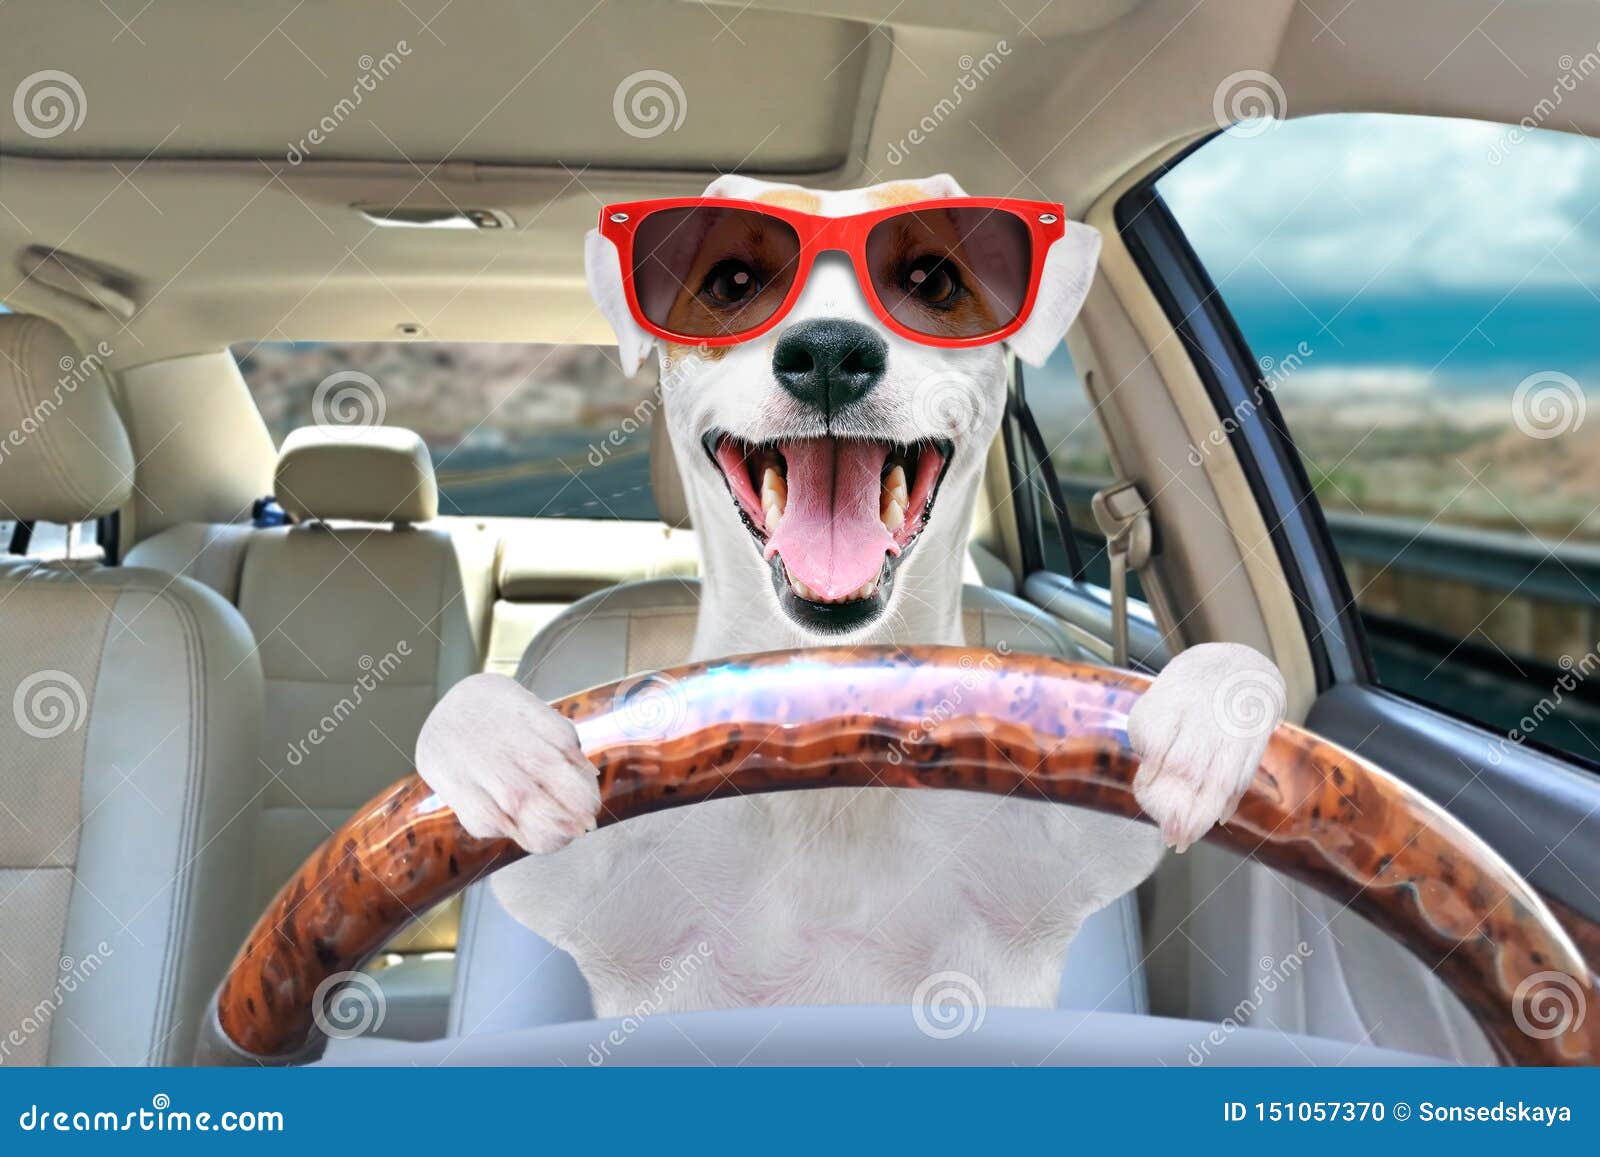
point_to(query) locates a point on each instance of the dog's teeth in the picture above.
(896, 498)
(801, 589)
(774, 497)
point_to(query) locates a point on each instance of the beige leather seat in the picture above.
(509, 978)
(128, 777)
(361, 625)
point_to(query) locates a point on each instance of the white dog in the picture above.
(807, 508)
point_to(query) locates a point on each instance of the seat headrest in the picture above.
(362, 473)
(666, 484)
(64, 454)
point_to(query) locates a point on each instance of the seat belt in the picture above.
(1047, 471)
(1123, 516)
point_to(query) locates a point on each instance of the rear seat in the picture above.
(361, 626)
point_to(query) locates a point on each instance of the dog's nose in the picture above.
(829, 363)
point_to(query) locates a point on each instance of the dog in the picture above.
(830, 517)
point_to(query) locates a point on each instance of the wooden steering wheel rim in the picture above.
(943, 717)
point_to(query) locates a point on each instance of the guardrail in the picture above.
(1517, 592)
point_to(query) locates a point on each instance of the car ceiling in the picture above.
(191, 179)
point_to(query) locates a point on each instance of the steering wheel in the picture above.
(928, 717)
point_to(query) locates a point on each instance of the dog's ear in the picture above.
(1068, 270)
(603, 266)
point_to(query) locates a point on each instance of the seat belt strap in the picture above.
(1047, 471)
(1123, 516)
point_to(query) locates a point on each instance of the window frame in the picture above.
(1249, 414)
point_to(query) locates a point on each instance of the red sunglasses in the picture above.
(958, 271)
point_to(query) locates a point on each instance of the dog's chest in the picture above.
(837, 896)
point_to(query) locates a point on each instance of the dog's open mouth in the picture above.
(832, 516)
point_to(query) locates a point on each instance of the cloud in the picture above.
(1374, 204)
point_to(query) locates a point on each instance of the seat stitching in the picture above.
(194, 791)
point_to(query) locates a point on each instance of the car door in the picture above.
(1394, 318)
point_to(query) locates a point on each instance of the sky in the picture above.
(1433, 249)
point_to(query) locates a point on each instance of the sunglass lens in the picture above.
(951, 272)
(705, 271)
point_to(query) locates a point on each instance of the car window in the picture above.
(1421, 297)
(53, 540)
(546, 431)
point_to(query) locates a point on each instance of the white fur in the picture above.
(842, 895)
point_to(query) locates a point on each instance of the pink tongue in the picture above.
(830, 536)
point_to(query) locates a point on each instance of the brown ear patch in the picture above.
(899, 193)
(800, 200)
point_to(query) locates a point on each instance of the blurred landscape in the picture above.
(513, 429)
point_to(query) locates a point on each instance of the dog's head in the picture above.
(812, 456)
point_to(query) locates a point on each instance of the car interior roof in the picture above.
(188, 184)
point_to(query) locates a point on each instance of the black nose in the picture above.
(827, 364)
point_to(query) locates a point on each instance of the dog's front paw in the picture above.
(509, 765)
(1199, 733)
